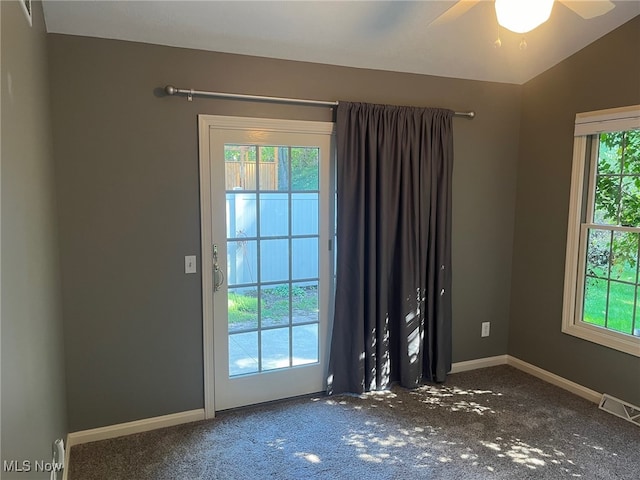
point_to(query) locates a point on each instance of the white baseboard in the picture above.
(479, 363)
(138, 426)
(538, 372)
(554, 379)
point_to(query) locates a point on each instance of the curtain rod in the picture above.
(171, 90)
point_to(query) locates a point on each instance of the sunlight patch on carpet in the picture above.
(309, 457)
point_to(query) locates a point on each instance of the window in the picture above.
(602, 271)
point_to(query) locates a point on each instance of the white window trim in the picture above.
(587, 124)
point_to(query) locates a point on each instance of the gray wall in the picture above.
(33, 381)
(606, 74)
(127, 175)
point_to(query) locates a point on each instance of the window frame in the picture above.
(588, 126)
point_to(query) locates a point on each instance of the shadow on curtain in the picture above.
(392, 318)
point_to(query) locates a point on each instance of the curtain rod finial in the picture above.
(170, 90)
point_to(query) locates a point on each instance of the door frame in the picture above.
(205, 124)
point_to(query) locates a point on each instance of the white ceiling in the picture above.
(383, 35)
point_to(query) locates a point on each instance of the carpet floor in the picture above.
(493, 423)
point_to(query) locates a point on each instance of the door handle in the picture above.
(218, 275)
(218, 278)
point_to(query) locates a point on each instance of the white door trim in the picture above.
(205, 123)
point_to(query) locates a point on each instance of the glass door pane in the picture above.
(272, 256)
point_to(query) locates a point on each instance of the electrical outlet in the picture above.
(190, 264)
(486, 328)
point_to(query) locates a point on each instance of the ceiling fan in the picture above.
(586, 9)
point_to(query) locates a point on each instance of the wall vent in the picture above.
(620, 409)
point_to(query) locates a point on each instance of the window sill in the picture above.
(608, 338)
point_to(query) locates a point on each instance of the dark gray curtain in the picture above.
(392, 318)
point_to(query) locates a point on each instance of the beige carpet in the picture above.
(494, 423)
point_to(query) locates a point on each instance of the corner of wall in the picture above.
(33, 404)
(550, 102)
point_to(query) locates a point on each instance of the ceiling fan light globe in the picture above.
(522, 16)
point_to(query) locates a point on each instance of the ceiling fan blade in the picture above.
(590, 9)
(459, 9)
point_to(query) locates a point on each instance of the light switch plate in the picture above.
(190, 264)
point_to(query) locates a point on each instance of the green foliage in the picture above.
(279, 291)
(268, 154)
(625, 256)
(298, 167)
(297, 291)
(242, 308)
(304, 168)
(617, 313)
(242, 303)
(617, 199)
(274, 303)
(283, 291)
(235, 153)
